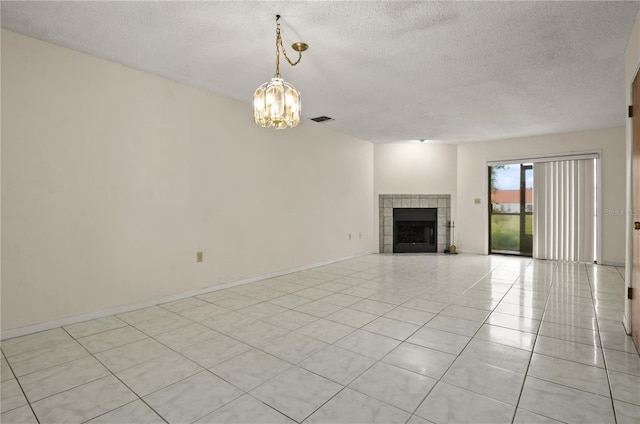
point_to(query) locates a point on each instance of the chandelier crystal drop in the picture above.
(277, 103)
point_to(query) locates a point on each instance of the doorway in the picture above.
(511, 209)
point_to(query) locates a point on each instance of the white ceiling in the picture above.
(385, 71)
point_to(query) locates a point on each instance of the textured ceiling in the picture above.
(385, 71)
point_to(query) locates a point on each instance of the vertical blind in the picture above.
(564, 210)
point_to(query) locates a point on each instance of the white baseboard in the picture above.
(35, 328)
(472, 252)
(607, 263)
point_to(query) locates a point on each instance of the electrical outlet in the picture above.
(199, 257)
(476, 201)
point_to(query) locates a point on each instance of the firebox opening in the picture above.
(415, 230)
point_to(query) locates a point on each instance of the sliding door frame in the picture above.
(588, 154)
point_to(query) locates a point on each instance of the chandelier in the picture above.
(277, 103)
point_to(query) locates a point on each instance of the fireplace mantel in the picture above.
(388, 202)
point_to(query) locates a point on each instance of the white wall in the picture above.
(417, 168)
(472, 182)
(632, 63)
(112, 179)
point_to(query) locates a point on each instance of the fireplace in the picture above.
(388, 203)
(415, 230)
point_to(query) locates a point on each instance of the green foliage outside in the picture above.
(505, 231)
(505, 228)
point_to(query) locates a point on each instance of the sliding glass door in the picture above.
(511, 209)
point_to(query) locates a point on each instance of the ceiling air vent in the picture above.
(322, 119)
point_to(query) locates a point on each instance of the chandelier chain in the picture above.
(280, 45)
(278, 40)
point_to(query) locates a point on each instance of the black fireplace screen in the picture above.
(415, 230)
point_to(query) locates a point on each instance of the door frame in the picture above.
(631, 315)
(526, 239)
(628, 260)
(523, 238)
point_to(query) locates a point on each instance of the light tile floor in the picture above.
(377, 339)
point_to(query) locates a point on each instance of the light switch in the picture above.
(476, 201)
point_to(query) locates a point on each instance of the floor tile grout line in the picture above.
(49, 367)
(344, 386)
(266, 404)
(604, 357)
(90, 354)
(597, 332)
(567, 360)
(253, 347)
(6, 357)
(441, 379)
(125, 324)
(122, 406)
(462, 350)
(380, 361)
(569, 387)
(570, 341)
(458, 356)
(533, 348)
(24, 394)
(141, 398)
(117, 378)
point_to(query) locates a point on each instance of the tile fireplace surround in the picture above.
(388, 202)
